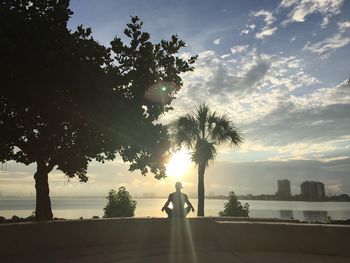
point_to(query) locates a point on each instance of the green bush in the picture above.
(234, 207)
(120, 204)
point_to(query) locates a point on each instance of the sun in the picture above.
(178, 164)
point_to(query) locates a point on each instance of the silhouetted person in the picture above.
(178, 200)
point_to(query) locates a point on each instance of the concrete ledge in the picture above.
(284, 237)
(122, 233)
(136, 234)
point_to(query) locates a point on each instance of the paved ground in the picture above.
(202, 255)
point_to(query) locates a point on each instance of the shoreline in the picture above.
(165, 197)
(31, 218)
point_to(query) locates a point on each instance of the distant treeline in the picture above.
(332, 198)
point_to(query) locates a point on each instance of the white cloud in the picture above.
(327, 46)
(343, 26)
(298, 11)
(244, 32)
(252, 26)
(325, 22)
(247, 29)
(268, 17)
(217, 41)
(302, 127)
(267, 29)
(324, 97)
(225, 56)
(303, 8)
(247, 88)
(266, 32)
(239, 49)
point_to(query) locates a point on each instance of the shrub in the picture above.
(234, 207)
(120, 204)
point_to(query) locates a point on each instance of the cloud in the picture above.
(319, 118)
(239, 49)
(303, 8)
(268, 17)
(267, 29)
(343, 26)
(217, 41)
(252, 26)
(225, 56)
(328, 46)
(248, 28)
(265, 32)
(248, 87)
(297, 11)
(244, 32)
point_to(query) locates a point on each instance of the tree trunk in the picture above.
(201, 170)
(43, 203)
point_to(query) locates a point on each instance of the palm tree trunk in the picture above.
(201, 170)
(43, 209)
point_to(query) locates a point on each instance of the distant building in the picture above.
(313, 191)
(283, 191)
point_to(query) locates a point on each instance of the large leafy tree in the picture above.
(65, 100)
(202, 132)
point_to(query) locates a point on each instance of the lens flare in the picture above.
(161, 92)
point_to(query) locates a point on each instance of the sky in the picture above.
(279, 69)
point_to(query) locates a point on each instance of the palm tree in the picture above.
(202, 132)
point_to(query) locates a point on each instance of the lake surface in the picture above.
(73, 208)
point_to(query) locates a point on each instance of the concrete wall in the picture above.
(284, 237)
(160, 233)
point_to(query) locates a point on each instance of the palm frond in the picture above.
(223, 130)
(201, 115)
(233, 136)
(203, 132)
(186, 130)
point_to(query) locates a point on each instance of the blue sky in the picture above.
(278, 68)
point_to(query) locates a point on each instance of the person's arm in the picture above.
(166, 203)
(189, 203)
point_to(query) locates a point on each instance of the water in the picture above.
(72, 208)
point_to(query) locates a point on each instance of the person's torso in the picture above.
(178, 201)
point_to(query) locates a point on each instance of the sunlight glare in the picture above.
(178, 164)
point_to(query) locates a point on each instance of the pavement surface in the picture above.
(201, 255)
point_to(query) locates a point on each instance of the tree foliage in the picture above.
(203, 132)
(234, 207)
(67, 100)
(120, 204)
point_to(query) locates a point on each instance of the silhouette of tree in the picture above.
(65, 101)
(203, 132)
(233, 207)
(120, 204)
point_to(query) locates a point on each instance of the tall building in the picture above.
(313, 191)
(283, 190)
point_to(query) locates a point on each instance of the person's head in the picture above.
(178, 186)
